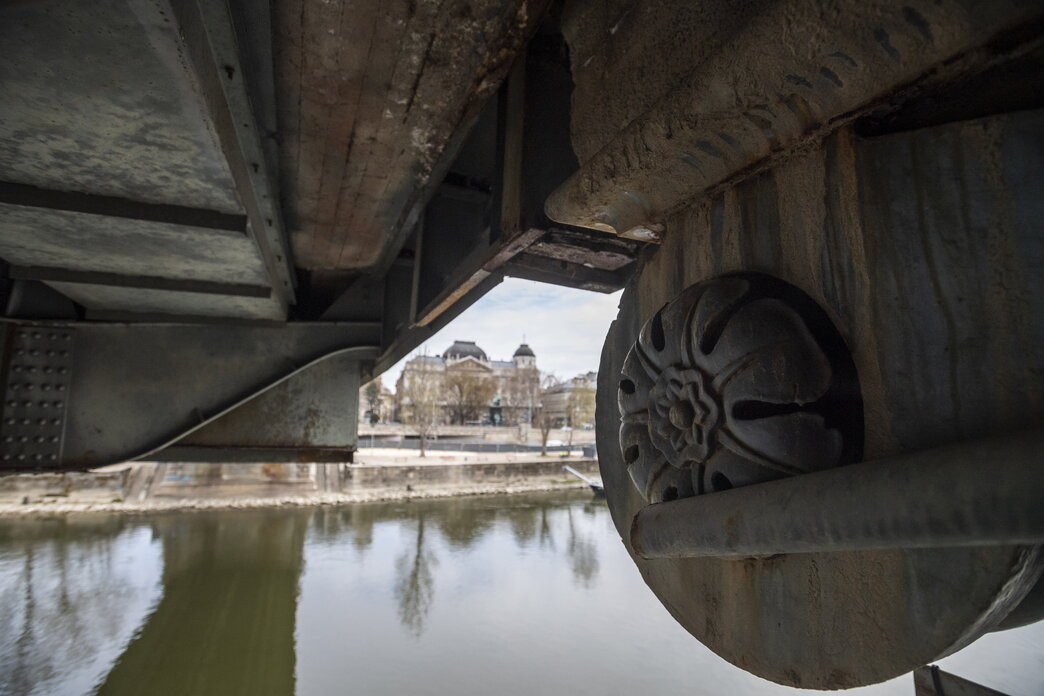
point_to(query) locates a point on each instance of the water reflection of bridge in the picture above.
(225, 624)
(228, 593)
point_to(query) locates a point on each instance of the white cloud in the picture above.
(563, 326)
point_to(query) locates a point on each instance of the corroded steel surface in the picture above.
(36, 395)
(137, 388)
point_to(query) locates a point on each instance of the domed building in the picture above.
(475, 389)
(524, 356)
(465, 349)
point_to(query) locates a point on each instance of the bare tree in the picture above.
(544, 421)
(468, 393)
(542, 415)
(580, 407)
(528, 391)
(373, 400)
(421, 392)
(415, 588)
(521, 391)
(584, 554)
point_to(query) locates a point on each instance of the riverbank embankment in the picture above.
(380, 476)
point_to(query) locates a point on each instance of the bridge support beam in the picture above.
(310, 417)
(101, 393)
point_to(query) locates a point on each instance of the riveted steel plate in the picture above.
(36, 392)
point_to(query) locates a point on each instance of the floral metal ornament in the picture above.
(738, 380)
(685, 415)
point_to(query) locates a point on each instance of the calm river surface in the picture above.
(493, 595)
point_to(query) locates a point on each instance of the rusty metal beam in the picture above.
(124, 317)
(487, 262)
(557, 272)
(225, 453)
(26, 196)
(589, 248)
(461, 282)
(511, 129)
(212, 47)
(207, 287)
(113, 392)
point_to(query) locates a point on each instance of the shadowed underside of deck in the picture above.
(370, 95)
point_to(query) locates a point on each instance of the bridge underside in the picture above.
(218, 218)
(202, 204)
(288, 174)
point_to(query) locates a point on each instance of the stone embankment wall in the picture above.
(484, 433)
(100, 487)
(364, 477)
(149, 485)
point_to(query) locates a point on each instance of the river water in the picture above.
(491, 595)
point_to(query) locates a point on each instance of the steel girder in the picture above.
(115, 392)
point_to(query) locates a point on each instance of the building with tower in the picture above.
(473, 388)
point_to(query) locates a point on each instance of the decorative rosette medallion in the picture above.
(738, 380)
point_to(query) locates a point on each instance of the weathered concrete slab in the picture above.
(63, 239)
(99, 97)
(105, 100)
(169, 303)
(371, 95)
(721, 89)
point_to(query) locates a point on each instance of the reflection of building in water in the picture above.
(225, 624)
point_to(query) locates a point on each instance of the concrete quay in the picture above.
(379, 475)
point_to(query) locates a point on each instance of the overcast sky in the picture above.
(564, 327)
